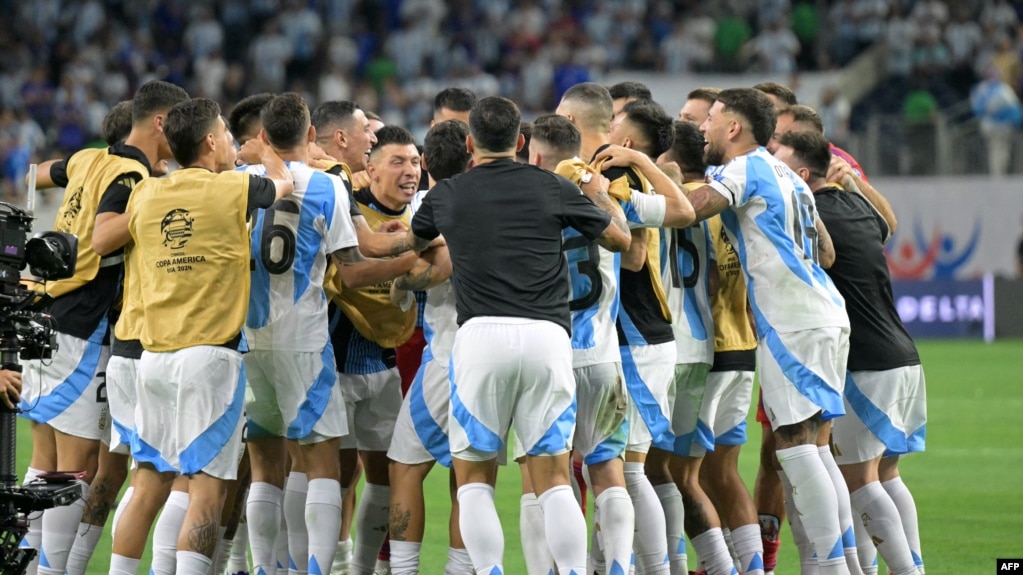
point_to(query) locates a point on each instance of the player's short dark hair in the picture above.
(754, 106)
(526, 131)
(805, 115)
(286, 121)
(596, 101)
(153, 97)
(245, 114)
(783, 93)
(329, 115)
(705, 94)
(445, 151)
(117, 123)
(635, 90)
(186, 127)
(372, 116)
(456, 99)
(392, 134)
(558, 133)
(811, 149)
(653, 123)
(687, 150)
(494, 124)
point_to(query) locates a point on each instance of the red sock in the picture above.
(577, 470)
(385, 550)
(770, 535)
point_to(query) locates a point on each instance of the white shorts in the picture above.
(887, 415)
(121, 397)
(726, 402)
(803, 373)
(511, 371)
(68, 392)
(649, 371)
(421, 431)
(372, 403)
(691, 436)
(189, 413)
(294, 394)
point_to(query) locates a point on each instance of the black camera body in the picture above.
(28, 332)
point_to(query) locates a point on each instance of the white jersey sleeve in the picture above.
(337, 227)
(645, 210)
(730, 181)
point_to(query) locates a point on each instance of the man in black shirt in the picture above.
(512, 356)
(884, 393)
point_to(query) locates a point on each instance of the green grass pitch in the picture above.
(967, 485)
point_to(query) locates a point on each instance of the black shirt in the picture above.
(877, 340)
(503, 223)
(80, 312)
(640, 307)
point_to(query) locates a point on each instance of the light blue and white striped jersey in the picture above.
(290, 243)
(685, 265)
(594, 274)
(772, 225)
(440, 319)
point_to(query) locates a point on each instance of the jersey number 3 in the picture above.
(277, 237)
(584, 257)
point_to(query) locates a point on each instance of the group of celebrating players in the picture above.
(604, 279)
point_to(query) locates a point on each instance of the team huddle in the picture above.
(310, 297)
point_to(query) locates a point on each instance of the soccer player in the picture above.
(802, 349)
(645, 337)
(697, 105)
(191, 237)
(365, 330)
(884, 393)
(290, 367)
(511, 295)
(624, 92)
(69, 414)
(245, 120)
(421, 432)
(601, 430)
(779, 95)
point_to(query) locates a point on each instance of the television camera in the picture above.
(26, 331)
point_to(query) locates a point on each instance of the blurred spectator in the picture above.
(731, 35)
(930, 16)
(963, 38)
(774, 50)
(998, 107)
(919, 112)
(269, 55)
(900, 38)
(834, 111)
(998, 17)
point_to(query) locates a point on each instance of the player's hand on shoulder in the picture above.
(252, 152)
(318, 157)
(617, 156)
(673, 171)
(839, 170)
(595, 185)
(361, 180)
(392, 226)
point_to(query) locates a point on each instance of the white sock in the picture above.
(281, 544)
(121, 506)
(750, 549)
(650, 541)
(565, 527)
(458, 562)
(83, 547)
(807, 557)
(34, 537)
(617, 521)
(371, 523)
(238, 559)
(192, 563)
(674, 512)
(323, 520)
(60, 524)
(294, 516)
(121, 565)
(845, 520)
(481, 527)
(865, 548)
(714, 557)
(882, 521)
(904, 502)
(342, 554)
(221, 552)
(165, 534)
(534, 539)
(814, 496)
(726, 533)
(382, 565)
(405, 557)
(263, 513)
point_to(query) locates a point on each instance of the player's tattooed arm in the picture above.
(825, 247)
(707, 202)
(357, 271)
(432, 268)
(616, 236)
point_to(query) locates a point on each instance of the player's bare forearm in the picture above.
(679, 212)
(357, 271)
(634, 258)
(43, 179)
(432, 269)
(408, 241)
(825, 247)
(706, 202)
(110, 232)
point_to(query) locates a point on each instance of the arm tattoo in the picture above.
(399, 521)
(203, 533)
(415, 282)
(707, 202)
(400, 246)
(408, 242)
(347, 256)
